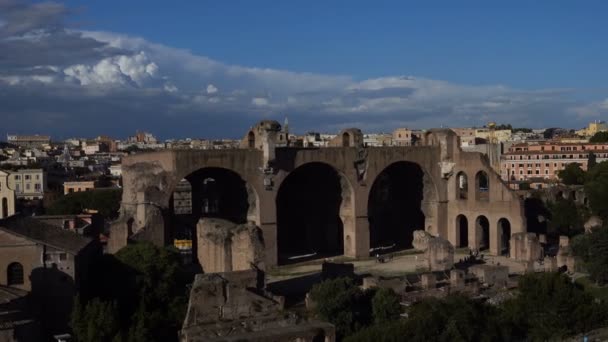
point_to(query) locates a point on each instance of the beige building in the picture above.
(543, 160)
(29, 140)
(594, 127)
(402, 137)
(466, 135)
(7, 197)
(77, 186)
(501, 135)
(28, 184)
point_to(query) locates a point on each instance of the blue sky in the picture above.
(526, 44)
(216, 67)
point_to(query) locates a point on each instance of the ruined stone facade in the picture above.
(525, 247)
(224, 246)
(459, 189)
(234, 306)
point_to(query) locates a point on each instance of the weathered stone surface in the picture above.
(440, 254)
(151, 178)
(491, 274)
(592, 223)
(224, 246)
(234, 306)
(421, 240)
(525, 247)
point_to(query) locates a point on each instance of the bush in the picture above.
(341, 302)
(385, 306)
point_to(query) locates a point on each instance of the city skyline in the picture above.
(79, 69)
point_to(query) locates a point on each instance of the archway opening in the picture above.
(504, 231)
(14, 274)
(394, 207)
(482, 225)
(482, 186)
(251, 140)
(462, 231)
(207, 192)
(308, 214)
(345, 139)
(4, 207)
(462, 185)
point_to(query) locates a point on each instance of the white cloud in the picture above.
(154, 80)
(259, 101)
(211, 89)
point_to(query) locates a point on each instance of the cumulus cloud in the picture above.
(211, 89)
(58, 77)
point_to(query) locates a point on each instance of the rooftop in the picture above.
(44, 233)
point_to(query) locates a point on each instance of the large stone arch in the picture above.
(431, 197)
(462, 231)
(503, 236)
(299, 188)
(482, 233)
(396, 206)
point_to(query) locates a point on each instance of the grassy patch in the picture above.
(599, 292)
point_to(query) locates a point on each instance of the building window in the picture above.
(27, 177)
(37, 177)
(27, 186)
(17, 188)
(17, 177)
(37, 187)
(14, 274)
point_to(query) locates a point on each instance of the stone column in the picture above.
(356, 238)
(495, 238)
(269, 231)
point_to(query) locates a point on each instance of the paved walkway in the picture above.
(401, 264)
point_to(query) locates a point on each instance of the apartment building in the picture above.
(29, 184)
(543, 160)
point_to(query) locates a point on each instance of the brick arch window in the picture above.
(14, 274)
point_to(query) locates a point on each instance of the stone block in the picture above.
(224, 246)
(440, 254)
(428, 281)
(525, 247)
(421, 240)
(457, 278)
(491, 274)
(331, 270)
(550, 264)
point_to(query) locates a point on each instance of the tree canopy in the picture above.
(596, 188)
(599, 137)
(143, 287)
(572, 174)
(106, 201)
(593, 250)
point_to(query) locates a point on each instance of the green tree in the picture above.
(338, 301)
(566, 218)
(106, 201)
(148, 287)
(455, 318)
(572, 174)
(593, 250)
(385, 305)
(97, 321)
(599, 137)
(549, 307)
(524, 186)
(591, 160)
(596, 188)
